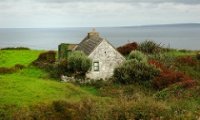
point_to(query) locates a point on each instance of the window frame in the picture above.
(96, 66)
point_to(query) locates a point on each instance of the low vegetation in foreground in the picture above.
(153, 83)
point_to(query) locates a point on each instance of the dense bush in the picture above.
(198, 56)
(186, 60)
(15, 48)
(86, 109)
(19, 66)
(149, 47)
(134, 71)
(181, 90)
(78, 63)
(126, 49)
(89, 109)
(59, 68)
(5, 70)
(169, 77)
(48, 57)
(45, 60)
(137, 55)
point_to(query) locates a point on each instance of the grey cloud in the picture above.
(115, 1)
(124, 1)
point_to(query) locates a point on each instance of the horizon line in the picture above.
(144, 25)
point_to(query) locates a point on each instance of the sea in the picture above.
(178, 36)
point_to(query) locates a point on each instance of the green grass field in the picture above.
(9, 58)
(31, 85)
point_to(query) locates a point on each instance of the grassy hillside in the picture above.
(9, 58)
(30, 93)
(31, 85)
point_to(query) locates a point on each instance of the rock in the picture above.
(67, 79)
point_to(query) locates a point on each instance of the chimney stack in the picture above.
(93, 34)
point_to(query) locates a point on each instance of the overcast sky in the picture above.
(93, 13)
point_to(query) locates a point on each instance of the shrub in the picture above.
(126, 49)
(139, 56)
(59, 68)
(189, 83)
(135, 71)
(45, 60)
(15, 48)
(78, 63)
(186, 60)
(145, 109)
(48, 57)
(86, 109)
(149, 47)
(5, 70)
(19, 66)
(198, 56)
(167, 78)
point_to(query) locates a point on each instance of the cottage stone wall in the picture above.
(108, 59)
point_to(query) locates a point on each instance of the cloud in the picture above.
(115, 1)
(68, 13)
(124, 1)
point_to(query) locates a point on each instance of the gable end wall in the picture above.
(108, 59)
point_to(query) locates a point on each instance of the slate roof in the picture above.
(89, 43)
(72, 46)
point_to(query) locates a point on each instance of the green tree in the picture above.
(78, 63)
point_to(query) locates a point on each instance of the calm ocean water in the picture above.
(181, 37)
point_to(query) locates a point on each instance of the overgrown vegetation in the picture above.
(136, 69)
(126, 49)
(149, 47)
(152, 86)
(15, 48)
(78, 63)
(5, 70)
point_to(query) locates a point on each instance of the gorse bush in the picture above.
(78, 63)
(137, 55)
(149, 47)
(126, 49)
(134, 71)
(45, 60)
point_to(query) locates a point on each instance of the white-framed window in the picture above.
(96, 66)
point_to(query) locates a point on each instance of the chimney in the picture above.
(93, 34)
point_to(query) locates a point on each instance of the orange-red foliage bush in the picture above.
(158, 65)
(186, 60)
(168, 77)
(188, 83)
(126, 49)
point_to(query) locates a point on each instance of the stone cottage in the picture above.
(105, 58)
